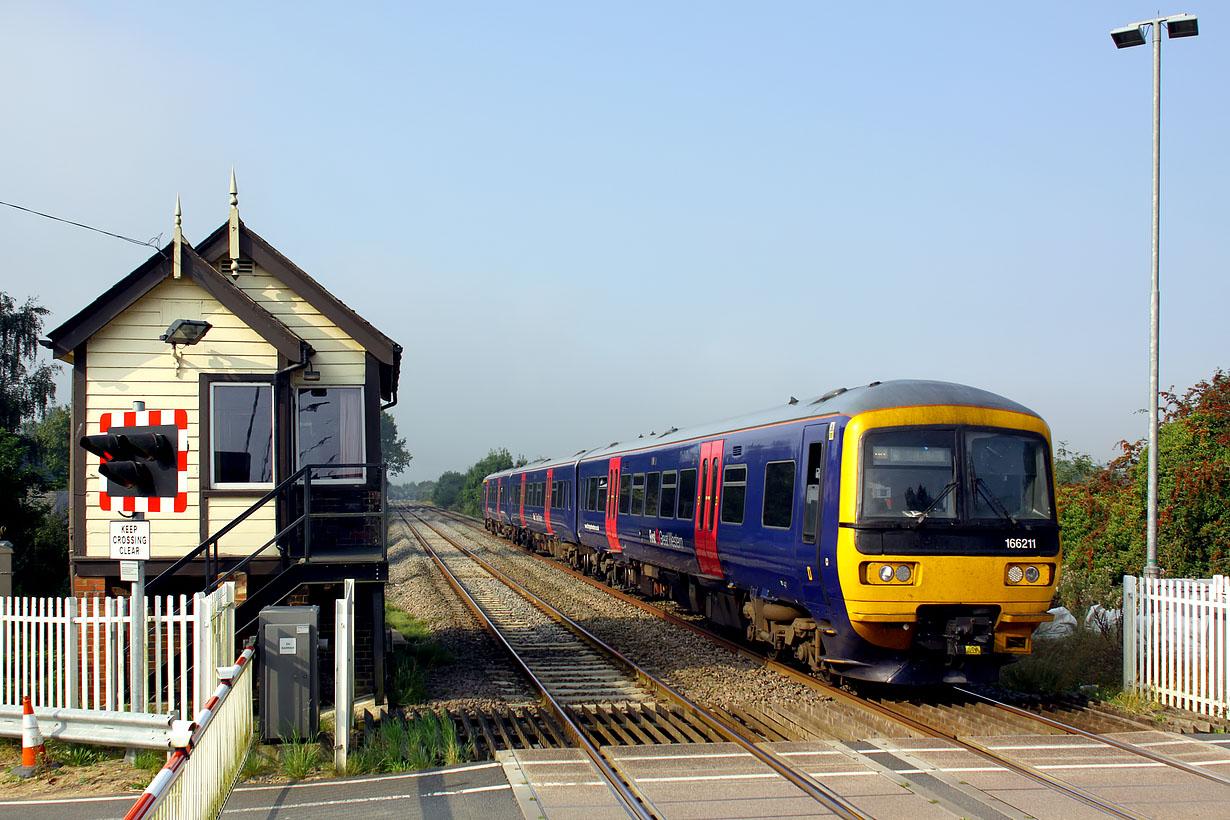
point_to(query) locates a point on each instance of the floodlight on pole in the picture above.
(1177, 25)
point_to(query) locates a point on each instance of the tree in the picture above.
(26, 388)
(51, 438)
(391, 447)
(1103, 515)
(447, 491)
(39, 536)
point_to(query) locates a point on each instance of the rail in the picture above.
(200, 774)
(886, 711)
(808, 785)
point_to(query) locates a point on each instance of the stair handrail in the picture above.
(304, 519)
(213, 539)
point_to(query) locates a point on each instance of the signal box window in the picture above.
(667, 505)
(734, 493)
(778, 494)
(241, 435)
(331, 431)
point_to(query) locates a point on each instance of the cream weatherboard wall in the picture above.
(126, 361)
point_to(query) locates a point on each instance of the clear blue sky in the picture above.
(585, 221)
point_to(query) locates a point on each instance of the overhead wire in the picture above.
(153, 242)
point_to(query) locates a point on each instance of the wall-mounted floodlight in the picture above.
(1129, 36)
(1182, 25)
(185, 332)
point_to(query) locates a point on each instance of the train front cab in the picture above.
(948, 545)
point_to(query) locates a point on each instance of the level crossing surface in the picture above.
(887, 778)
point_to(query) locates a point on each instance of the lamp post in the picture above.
(1177, 25)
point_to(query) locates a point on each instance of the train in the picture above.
(901, 532)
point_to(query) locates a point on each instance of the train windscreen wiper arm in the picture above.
(922, 516)
(996, 504)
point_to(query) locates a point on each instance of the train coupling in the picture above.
(969, 635)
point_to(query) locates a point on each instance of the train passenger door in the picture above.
(815, 450)
(708, 490)
(521, 498)
(549, 497)
(612, 504)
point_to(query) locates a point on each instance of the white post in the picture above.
(138, 647)
(343, 675)
(1130, 649)
(203, 675)
(72, 666)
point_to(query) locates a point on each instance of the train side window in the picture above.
(600, 493)
(667, 501)
(625, 492)
(711, 518)
(687, 494)
(811, 498)
(778, 494)
(734, 493)
(651, 494)
(638, 494)
(591, 495)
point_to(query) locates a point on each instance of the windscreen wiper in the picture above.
(997, 505)
(920, 517)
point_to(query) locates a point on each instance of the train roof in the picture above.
(840, 402)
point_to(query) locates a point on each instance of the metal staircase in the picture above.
(327, 531)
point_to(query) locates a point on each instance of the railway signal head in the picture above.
(136, 461)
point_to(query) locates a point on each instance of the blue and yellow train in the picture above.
(902, 532)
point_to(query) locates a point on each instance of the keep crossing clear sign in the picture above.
(130, 540)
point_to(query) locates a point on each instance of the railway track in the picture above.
(682, 714)
(964, 714)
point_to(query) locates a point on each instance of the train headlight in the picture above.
(1032, 574)
(886, 573)
(1015, 574)
(903, 572)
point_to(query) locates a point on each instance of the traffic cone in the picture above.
(33, 750)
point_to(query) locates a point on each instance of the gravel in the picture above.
(706, 674)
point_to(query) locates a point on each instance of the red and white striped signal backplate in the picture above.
(150, 418)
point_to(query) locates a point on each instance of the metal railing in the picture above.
(200, 774)
(294, 540)
(1176, 641)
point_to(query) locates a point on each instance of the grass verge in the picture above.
(410, 662)
(1087, 660)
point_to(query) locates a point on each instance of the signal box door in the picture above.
(708, 503)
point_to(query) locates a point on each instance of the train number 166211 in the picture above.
(1020, 543)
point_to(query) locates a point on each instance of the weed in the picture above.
(1062, 665)
(298, 758)
(257, 763)
(79, 754)
(430, 740)
(409, 664)
(150, 760)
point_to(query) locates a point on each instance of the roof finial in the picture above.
(234, 226)
(177, 243)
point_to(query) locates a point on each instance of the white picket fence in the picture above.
(1176, 641)
(77, 653)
